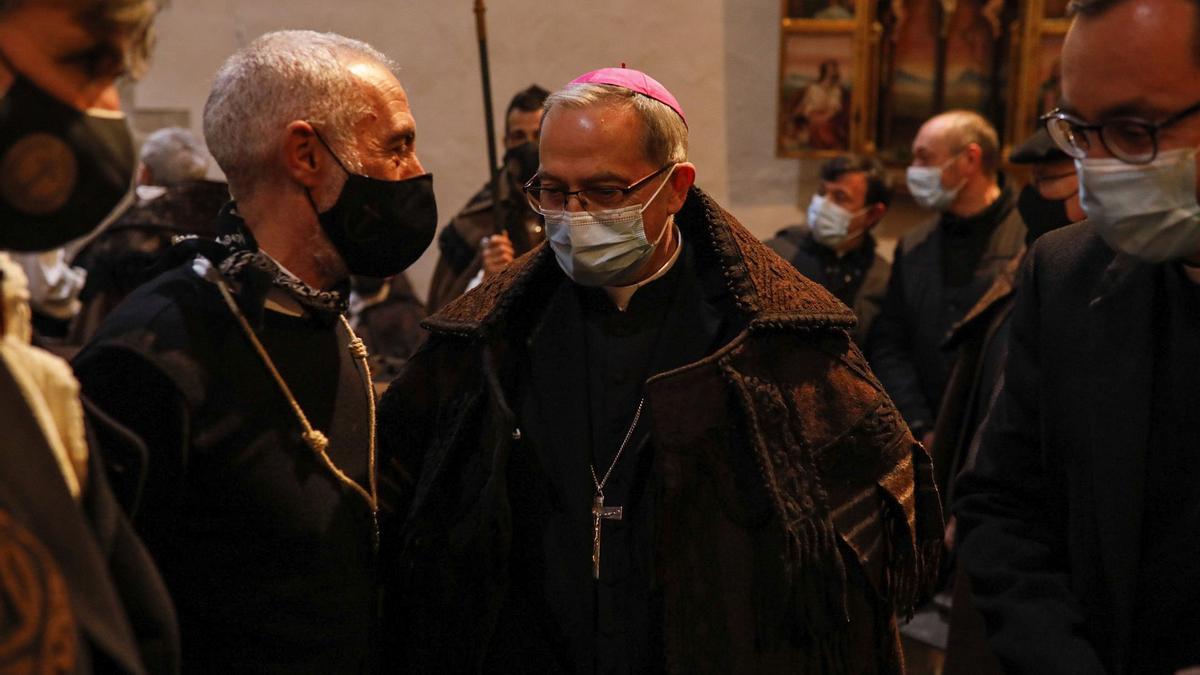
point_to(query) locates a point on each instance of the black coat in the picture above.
(861, 275)
(115, 616)
(1049, 518)
(905, 341)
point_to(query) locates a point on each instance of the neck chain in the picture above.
(313, 437)
(599, 511)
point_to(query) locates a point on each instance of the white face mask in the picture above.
(1148, 211)
(925, 185)
(829, 223)
(606, 248)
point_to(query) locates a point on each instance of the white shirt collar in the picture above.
(622, 295)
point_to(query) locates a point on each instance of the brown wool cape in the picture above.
(854, 528)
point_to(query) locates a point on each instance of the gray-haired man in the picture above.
(649, 444)
(244, 378)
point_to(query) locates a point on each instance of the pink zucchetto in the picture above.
(634, 80)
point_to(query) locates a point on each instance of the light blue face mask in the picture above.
(605, 248)
(1148, 211)
(925, 185)
(828, 222)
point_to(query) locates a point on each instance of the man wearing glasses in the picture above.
(650, 445)
(1078, 524)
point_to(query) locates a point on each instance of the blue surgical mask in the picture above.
(1148, 211)
(925, 185)
(605, 248)
(828, 222)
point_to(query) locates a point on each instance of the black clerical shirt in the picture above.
(589, 364)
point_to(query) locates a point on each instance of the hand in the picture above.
(927, 440)
(951, 530)
(498, 253)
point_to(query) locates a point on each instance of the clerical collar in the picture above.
(622, 295)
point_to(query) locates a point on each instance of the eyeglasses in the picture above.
(543, 199)
(1130, 139)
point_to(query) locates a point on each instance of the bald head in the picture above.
(950, 133)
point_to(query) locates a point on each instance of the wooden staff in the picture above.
(488, 115)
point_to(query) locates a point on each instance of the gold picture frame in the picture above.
(1043, 29)
(824, 84)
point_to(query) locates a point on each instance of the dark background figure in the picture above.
(78, 592)
(942, 268)
(835, 247)
(387, 315)
(462, 261)
(980, 343)
(1077, 523)
(174, 199)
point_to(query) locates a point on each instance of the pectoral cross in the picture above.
(599, 513)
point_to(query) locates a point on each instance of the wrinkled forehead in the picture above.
(592, 141)
(385, 95)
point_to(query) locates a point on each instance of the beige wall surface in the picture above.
(719, 57)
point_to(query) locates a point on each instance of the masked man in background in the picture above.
(834, 247)
(473, 244)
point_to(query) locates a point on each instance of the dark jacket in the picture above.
(905, 342)
(268, 556)
(119, 259)
(980, 341)
(980, 344)
(387, 315)
(80, 594)
(1049, 518)
(859, 279)
(809, 585)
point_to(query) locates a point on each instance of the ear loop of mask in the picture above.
(308, 191)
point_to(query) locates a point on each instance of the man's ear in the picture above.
(875, 215)
(682, 179)
(974, 156)
(303, 154)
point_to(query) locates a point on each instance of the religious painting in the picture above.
(939, 55)
(823, 10)
(816, 76)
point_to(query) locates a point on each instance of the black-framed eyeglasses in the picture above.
(543, 199)
(1130, 139)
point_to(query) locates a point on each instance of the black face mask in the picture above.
(62, 171)
(521, 162)
(1041, 215)
(380, 227)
